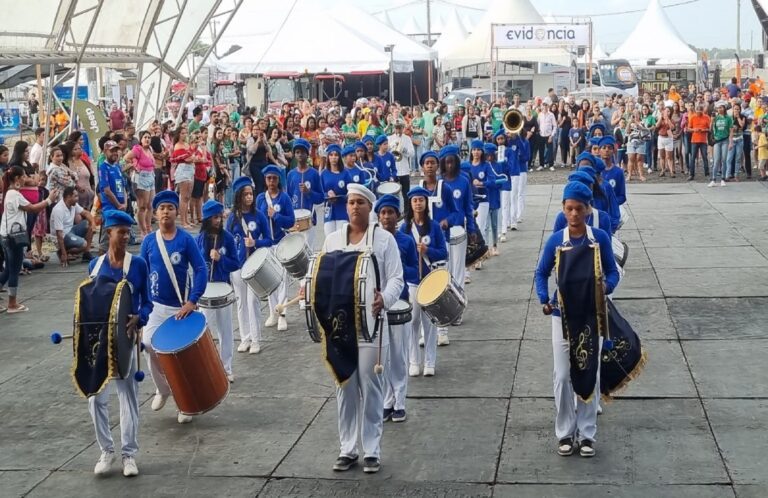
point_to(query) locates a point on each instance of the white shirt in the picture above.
(36, 154)
(388, 258)
(63, 217)
(12, 213)
(403, 166)
(190, 107)
(547, 124)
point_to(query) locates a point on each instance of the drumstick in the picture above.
(139, 375)
(378, 369)
(282, 306)
(215, 239)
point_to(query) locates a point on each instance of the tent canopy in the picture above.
(477, 47)
(655, 38)
(453, 36)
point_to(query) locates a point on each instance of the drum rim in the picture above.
(261, 250)
(436, 270)
(215, 285)
(177, 350)
(286, 245)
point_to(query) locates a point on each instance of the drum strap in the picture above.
(169, 268)
(100, 261)
(417, 238)
(595, 218)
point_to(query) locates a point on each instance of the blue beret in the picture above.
(596, 126)
(271, 170)
(387, 200)
(590, 171)
(418, 192)
(599, 165)
(476, 144)
(381, 139)
(585, 156)
(115, 217)
(212, 208)
(241, 183)
(349, 149)
(500, 133)
(427, 154)
(594, 141)
(300, 143)
(577, 191)
(360, 145)
(333, 148)
(490, 148)
(366, 139)
(166, 197)
(448, 150)
(583, 177)
(607, 140)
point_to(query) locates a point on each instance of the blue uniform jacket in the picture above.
(138, 276)
(410, 260)
(337, 182)
(386, 167)
(257, 225)
(183, 253)
(605, 200)
(462, 195)
(283, 218)
(435, 240)
(615, 178)
(311, 179)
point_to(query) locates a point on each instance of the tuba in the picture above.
(513, 121)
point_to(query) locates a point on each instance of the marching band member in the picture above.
(304, 186)
(276, 206)
(604, 199)
(505, 192)
(218, 249)
(388, 210)
(404, 145)
(576, 341)
(334, 179)
(493, 184)
(512, 170)
(430, 244)
(384, 161)
(169, 283)
(478, 173)
(462, 195)
(355, 172)
(613, 174)
(360, 400)
(524, 149)
(117, 265)
(250, 230)
(595, 217)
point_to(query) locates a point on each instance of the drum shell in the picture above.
(400, 316)
(195, 375)
(448, 306)
(219, 301)
(457, 235)
(297, 264)
(265, 279)
(303, 220)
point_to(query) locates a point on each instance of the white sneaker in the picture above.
(255, 348)
(540, 168)
(158, 402)
(467, 279)
(503, 238)
(129, 467)
(282, 323)
(271, 321)
(479, 265)
(494, 251)
(429, 371)
(442, 339)
(104, 464)
(230, 378)
(244, 346)
(551, 168)
(421, 341)
(711, 184)
(513, 227)
(183, 419)
(414, 370)
(722, 183)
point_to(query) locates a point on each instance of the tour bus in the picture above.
(609, 76)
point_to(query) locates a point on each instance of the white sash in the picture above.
(417, 238)
(433, 199)
(595, 218)
(100, 261)
(169, 268)
(567, 238)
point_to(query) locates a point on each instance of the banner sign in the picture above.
(64, 93)
(540, 35)
(10, 120)
(92, 121)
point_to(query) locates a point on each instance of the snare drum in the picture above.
(400, 313)
(442, 300)
(193, 369)
(303, 220)
(391, 188)
(458, 235)
(293, 253)
(262, 272)
(217, 295)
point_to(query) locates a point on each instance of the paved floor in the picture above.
(693, 425)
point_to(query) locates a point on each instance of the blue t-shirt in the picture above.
(576, 134)
(228, 261)
(435, 241)
(182, 253)
(410, 260)
(137, 276)
(111, 176)
(311, 179)
(256, 223)
(615, 178)
(462, 197)
(336, 182)
(603, 221)
(283, 218)
(733, 90)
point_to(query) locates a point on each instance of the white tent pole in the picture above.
(589, 63)
(91, 25)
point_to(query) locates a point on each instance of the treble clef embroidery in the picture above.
(582, 355)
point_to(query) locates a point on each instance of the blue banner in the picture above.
(65, 93)
(10, 120)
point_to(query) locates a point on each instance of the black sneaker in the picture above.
(586, 449)
(398, 416)
(344, 463)
(371, 465)
(87, 257)
(388, 413)
(565, 446)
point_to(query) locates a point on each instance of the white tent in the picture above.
(655, 38)
(477, 48)
(384, 17)
(412, 27)
(453, 36)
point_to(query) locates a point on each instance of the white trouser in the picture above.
(248, 309)
(523, 182)
(309, 236)
(220, 322)
(98, 406)
(396, 369)
(278, 295)
(506, 220)
(360, 404)
(160, 313)
(514, 198)
(420, 319)
(457, 257)
(483, 220)
(331, 226)
(570, 418)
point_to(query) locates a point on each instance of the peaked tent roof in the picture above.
(477, 47)
(453, 36)
(412, 27)
(384, 17)
(665, 45)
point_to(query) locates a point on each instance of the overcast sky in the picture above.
(703, 23)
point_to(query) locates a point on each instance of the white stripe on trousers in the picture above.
(248, 309)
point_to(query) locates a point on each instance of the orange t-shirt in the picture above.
(702, 122)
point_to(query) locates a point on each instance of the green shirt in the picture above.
(374, 131)
(417, 123)
(345, 128)
(649, 121)
(721, 127)
(429, 122)
(193, 126)
(497, 114)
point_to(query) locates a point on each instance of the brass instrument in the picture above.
(397, 151)
(513, 121)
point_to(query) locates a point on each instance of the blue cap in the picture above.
(448, 150)
(577, 191)
(607, 141)
(599, 165)
(333, 148)
(366, 139)
(166, 197)
(476, 144)
(582, 177)
(418, 192)
(429, 153)
(300, 143)
(596, 126)
(241, 183)
(590, 171)
(585, 156)
(490, 148)
(115, 217)
(360, 145)
(212, 208)
(271, 170)
(594, 141)
(349, 149)
(387, 200)
(381, 139)
(500, 133)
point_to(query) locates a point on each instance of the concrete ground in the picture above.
(693, 425)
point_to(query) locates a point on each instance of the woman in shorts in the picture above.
(666, 143)
(185, 173)
(143, 161)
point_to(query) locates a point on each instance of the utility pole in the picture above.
(738, 27)
(429, 44)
